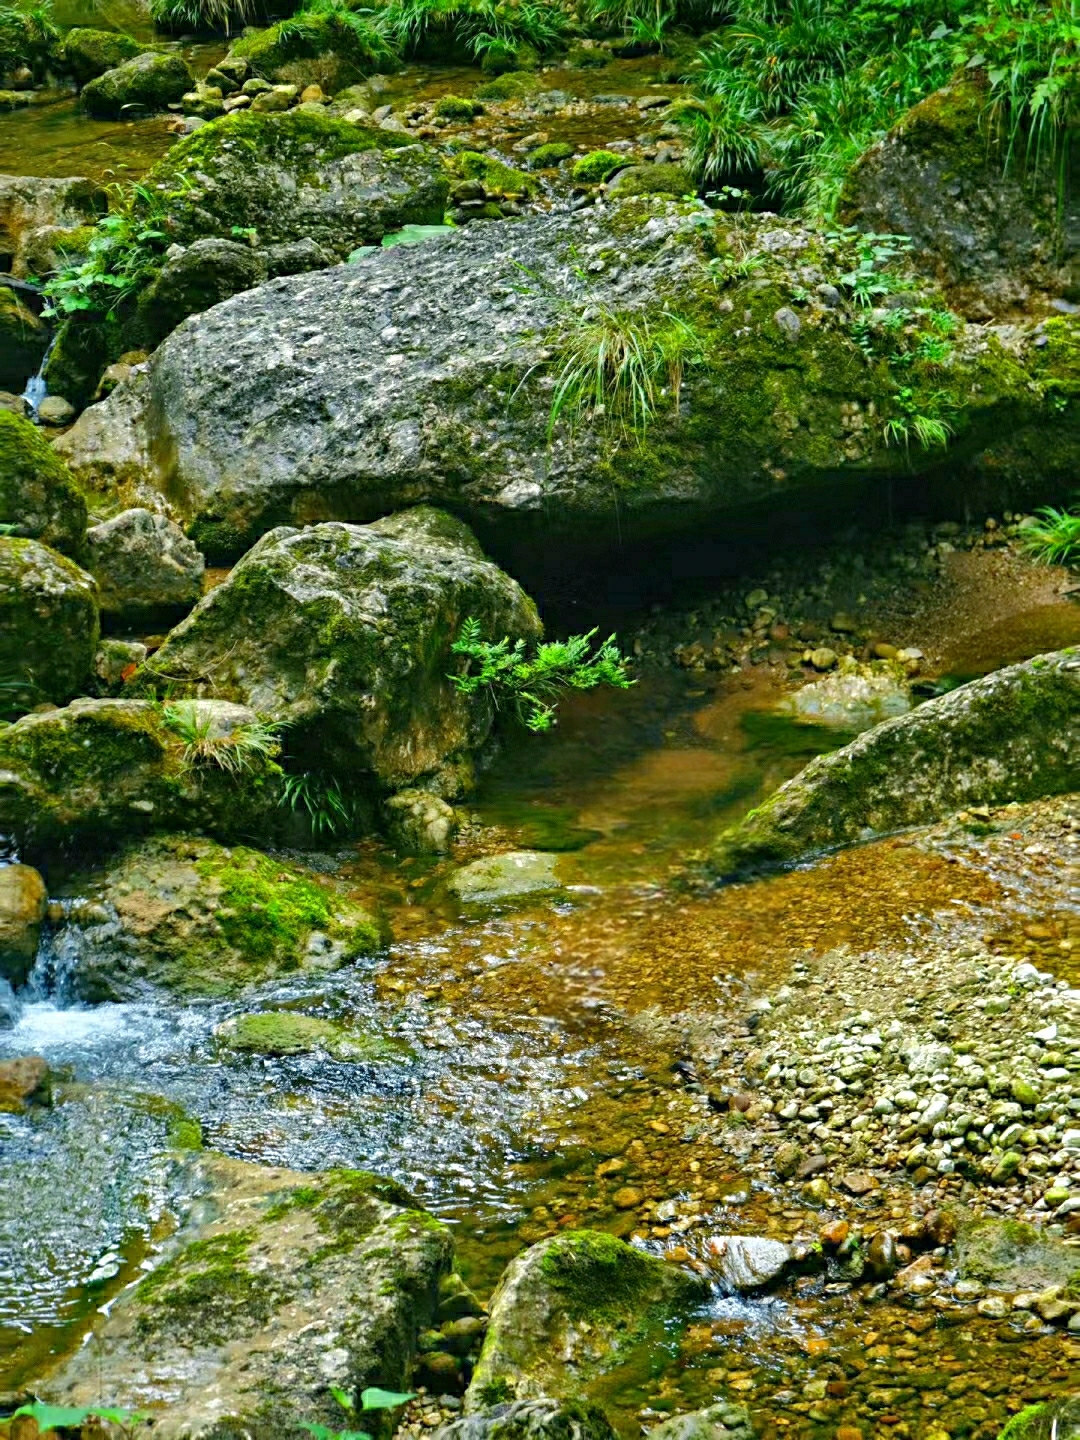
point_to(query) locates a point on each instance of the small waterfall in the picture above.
(36, 388)
(56, 960)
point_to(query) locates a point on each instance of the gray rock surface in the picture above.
(722, 1421)
(420, 823)
(532, 1420)
(746, 1263)
(1013, 735)
(853, 698)
(143, 562)
(503, 877)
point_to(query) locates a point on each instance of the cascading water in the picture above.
(36, 387)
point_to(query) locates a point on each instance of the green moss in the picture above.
(37, 494)
(205, 1294)
(598, 1275)
(495, 176)
(545, 157)
(266, 910)
(152, 81)
(511, 86)
(86, 53)
(185, 1134)
(279, 1032)
(454, 107)
(653, 180)
(591, 169)
(321, 50)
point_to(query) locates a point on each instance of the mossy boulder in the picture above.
(24, 338)
(281, 1286)
(505, 877)
(1057, 1420)
(495, 175)
(1013, 735)
(197, 919)
(37, 494)
(652, 180)
(318, 52)
(150, 81)
(296, 176)
(567, 1311)
(511, 85)
(993, 235)
(85, 53)
(343, 632)
(108, 769)
(596, 166)
(285, 1032)
(48, 623)
(35, 208)
(1012, 1255)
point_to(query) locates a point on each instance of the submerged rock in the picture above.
(143, 562)
(281, 1285)
(566, 1311)
(284, 1032)
(1013, 735)
(99, 769)
(502, 877)
(425, 377)
(23, 899)
(1008, 1254)
(37, 495)
(748, 1262)
(48, 623)
(531, 1420)
(722, 1421)
(150, 81)
(853, 698)
(192, 917)
(344, 632)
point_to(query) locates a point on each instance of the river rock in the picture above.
(48, 622)
(23, 900)
(531, 1420)
(33, 208)
(198, 919)
(1013, 735)
(150, 81)
(298, 176)
(86, 53)
(24, 338)
(23, 1082)
(568, 1309)
(107, 768)
(993, 234)
(284, 1032)
(505, 877)
(420, 823)
(37, 495)
(1011, 1255)
(853, 698)
(401, 393)
(143, 562)
(748, 1262)
(206, 272)
(722, 1421)
(279, 1285)
(344, 631)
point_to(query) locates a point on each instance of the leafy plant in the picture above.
(866, 281)
(366, 35)
(329, 811)
(930, 430)
(622, 366)
(124, 252)
(531, 684)
(235, 751)
(371, 1399)
(1052, 535)
(69, 1417)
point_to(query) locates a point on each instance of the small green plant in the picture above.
(867, 281)
(223, 16)
(124, 252)
(1052, 535)
(70, 1417)
(235, 751)
(622, 366)
(365, 35)
(329, 811)
(371, 1400)
(531, 684)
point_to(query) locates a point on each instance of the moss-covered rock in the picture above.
(150, 81)
(24, 338)
(285, 1032)
(545, 157)
(48, 623)
(35, 210)
(296, 1284)
(456, 107)
(505, 877)
(298, 175)
(344, 632)
(596, 166)
(85, 53)
(187, 915)
(23, 901)
(318, 52)
(511, 85)
(495, 175)
(1057, 1420)
(112, 768)
(37, 494)
(652, 180)
(1012, 1255)
(566, 1311)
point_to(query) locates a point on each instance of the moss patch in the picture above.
(37, 494)
(591, 169)
(206, 1294)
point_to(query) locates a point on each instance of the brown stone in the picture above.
(835, 1233)
(857, 1182)
(627, 1198)
(23, 900)
(22, 1082)
(812, 1165)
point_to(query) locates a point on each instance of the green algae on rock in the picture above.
(37, 494)
(295, 1283)
(86, 53)
(504, 877)
(152, 81)
(1014, 735)
(285, 1032)
(343, 632)
(187, 915)
(111, 768)
(48, 624)
(566, 1311)
(1008, 1254)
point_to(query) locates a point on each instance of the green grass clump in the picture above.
(545, 157)
(1052, 535)
(595, 167)
(218, 16)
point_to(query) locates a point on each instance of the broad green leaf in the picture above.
(359, 253)
(343, 1398)
(66, 1417)
(415, 235)
(376, 1399)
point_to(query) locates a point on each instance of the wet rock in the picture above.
(143, 562)
(344, 633)
(284, 1032)
(1013, 735)
(1011, 1255)
(151, 81)
(652, 180)
(86, 53)
(33, 208)
(296, 257)
(530, 1420)
(207, 272)
(102, 768)
(24, 338)
(326, 1279)
(197, 919)
(37, 494)
(566, 1309)
(853, 698)
(116, 662)
(722, 1421)
(420, 823)
(55, 411)
(23, 1082)
(882, 1256)
(745, 1263)
(48, 622)
(504, 877)
(23, 900)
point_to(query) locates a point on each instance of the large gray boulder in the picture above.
(568, 1310)
(151, 81)
(343, 632)
(142, 563)
(426, 373)
(279, 1286)
(1013, 735)
(48, 623)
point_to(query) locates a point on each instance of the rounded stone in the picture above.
(48, 623)
(23, 901)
